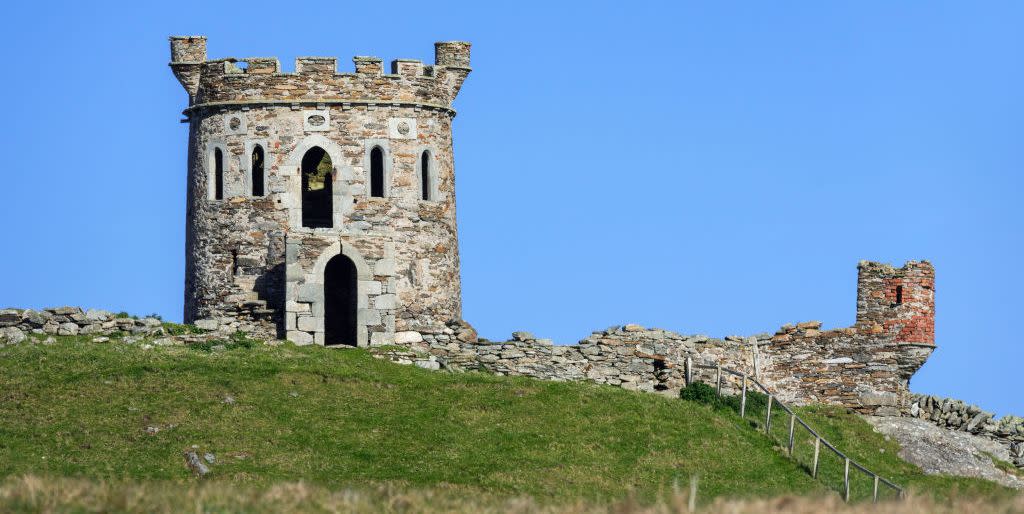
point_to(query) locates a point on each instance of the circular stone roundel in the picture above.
(316, 120)
(235, 123)
(403, 128)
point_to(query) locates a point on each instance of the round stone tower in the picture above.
(321, 205)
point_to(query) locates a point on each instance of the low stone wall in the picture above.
(71, 321)
(959, 416)
(18, 325)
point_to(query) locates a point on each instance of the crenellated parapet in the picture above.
(317, 81)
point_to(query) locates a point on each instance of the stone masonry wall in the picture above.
(835, 367)
(866, 367)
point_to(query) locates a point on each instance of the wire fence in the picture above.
(795, 430)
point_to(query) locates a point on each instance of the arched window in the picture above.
(425, 175)
(218, 174)
(257, 171)
(317, 184)
(377, 172)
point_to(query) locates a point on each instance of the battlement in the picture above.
(259, 80)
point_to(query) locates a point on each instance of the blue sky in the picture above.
(713, 167)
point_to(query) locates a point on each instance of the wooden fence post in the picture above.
(768, 416)
(691, 502)
(817, 448)
(689, 372)
(743, 399)
(719, 380)
(792, 420)
(846, 481)
(874, 496)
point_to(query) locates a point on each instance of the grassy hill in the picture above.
(125, 413)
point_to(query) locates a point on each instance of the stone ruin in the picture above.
(866, 367)
(321, 209)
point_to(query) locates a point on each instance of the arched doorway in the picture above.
(317, 183)
(340, 302)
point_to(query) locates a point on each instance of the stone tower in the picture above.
(321, 205)
(897, 302)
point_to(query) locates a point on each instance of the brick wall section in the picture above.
(911, 317)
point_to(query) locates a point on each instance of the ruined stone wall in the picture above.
(865, 367)
(250, 264)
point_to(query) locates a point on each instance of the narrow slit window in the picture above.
(377, 172)
(899, 295)
(425, 175)
(218, 174)
(257, 171)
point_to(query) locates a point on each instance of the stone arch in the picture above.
(317, 178)
(291, 170)
(338, 248)
(433, 175)
(245, 165)
(363, 275)
(209, 168)
(388, 162)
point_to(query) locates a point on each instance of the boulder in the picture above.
(11, 335)
(978, 419)
(207, 324)
(9, 317)
(1017, 450)
(65, 311)
(195, 464)
(522, 336)
(97, 315)
(67, 329)
(37, 318)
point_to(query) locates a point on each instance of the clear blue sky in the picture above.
(713, 167)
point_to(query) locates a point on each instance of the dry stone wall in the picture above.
(959, 416)
(15, 324)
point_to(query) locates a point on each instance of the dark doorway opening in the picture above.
(340, 302)
(317, 183)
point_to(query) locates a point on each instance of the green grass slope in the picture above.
(341, 418)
